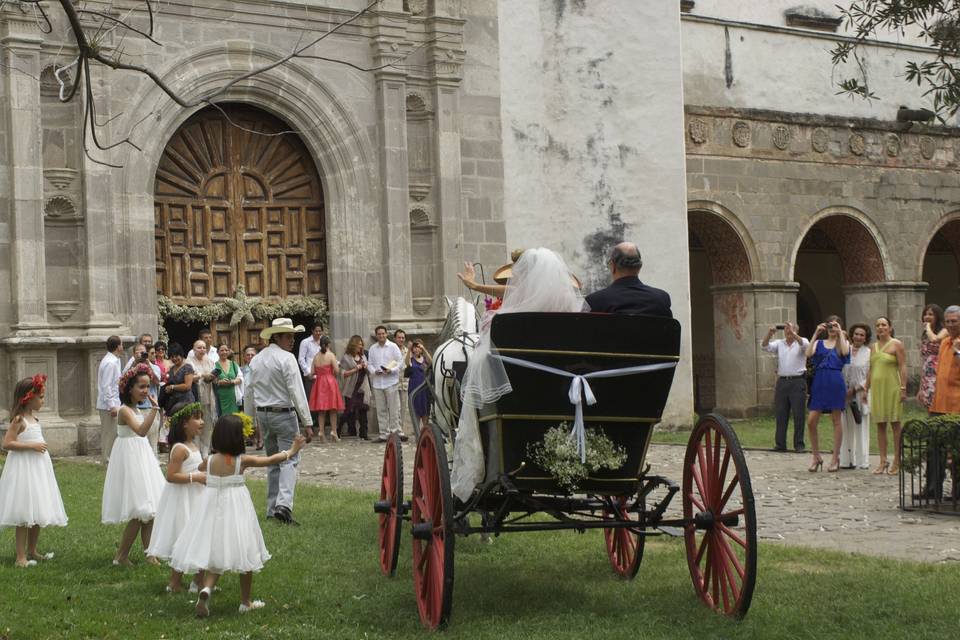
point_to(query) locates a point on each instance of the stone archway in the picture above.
(723, 318)
(840, 267)
(941, 264)
(238, 203)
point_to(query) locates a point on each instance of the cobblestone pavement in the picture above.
(852, 510)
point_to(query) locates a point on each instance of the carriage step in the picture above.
(422, 530)
(382, 506)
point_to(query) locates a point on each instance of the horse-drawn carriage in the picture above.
(598, 372)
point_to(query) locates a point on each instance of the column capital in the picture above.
(756, 287)
(20, 30)
(888, 286)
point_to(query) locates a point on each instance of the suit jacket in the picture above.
(630, 296)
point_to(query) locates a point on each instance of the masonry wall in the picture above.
(591, 94)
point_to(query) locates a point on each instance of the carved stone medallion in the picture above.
(698, 130)
(741, 134)
(857, 144)
(781, 137)
(892, 145)
(820, 140)
(927, 147)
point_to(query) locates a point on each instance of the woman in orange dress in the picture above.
(325, 397)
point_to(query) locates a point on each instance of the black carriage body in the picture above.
(627, 406)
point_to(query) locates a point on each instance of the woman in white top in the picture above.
(203, 384)
(855, 450)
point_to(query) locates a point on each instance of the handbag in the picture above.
(855, 410)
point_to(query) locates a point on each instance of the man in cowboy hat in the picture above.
(275, 399)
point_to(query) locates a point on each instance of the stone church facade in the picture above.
(457, 131)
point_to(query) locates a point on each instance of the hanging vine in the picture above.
(239, 309)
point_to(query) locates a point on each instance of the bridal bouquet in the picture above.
(557, 454)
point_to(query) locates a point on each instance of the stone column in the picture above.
(394, 179)
(446, 57)
(774, 303)
(735, 349)
(864, 303)
(21, 41)
(905, 302)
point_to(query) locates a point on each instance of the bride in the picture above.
(542, 282)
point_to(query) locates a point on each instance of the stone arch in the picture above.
(339, 146)
(855, 238)
(939, 260)
(732, 254)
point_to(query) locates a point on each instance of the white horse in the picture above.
(458, 339)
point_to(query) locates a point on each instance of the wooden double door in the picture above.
(238, 202)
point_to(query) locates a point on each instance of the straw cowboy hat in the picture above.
(281, 325)
(504, 273)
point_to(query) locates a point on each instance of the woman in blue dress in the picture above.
(829, 350)
(418, 362)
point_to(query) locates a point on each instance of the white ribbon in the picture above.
(580, 390)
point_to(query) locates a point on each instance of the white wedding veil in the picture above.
(540, 282)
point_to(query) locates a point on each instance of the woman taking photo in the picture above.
(417, 364)
(888, 389)
(829, 350)
(933, 332)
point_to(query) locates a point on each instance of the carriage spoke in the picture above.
(724, 528)
(715, 468)
(734, 483)
(696, 502)
(728, 514)
(715, 568)
(722, 475)
(732, 556)
(704, 471)
(699, 482)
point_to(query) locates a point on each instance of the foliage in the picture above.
(935, 21)
(939, 432)
(558, 455)
(323, 582)
(238, 309)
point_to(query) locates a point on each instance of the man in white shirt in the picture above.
(309, 349)
(384, 363)
(146, 340)
(108, 395)
(275, 399)
(790, 394)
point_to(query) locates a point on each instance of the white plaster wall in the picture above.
(787, 69)
(592, 111)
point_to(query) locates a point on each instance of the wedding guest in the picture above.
(141, 355)
(626, 293)
(384, 364)
(790, 393)
(933, 332)
(356, 388)
(855, 451)
(830, 351)
(946, 398)
(400, 339)
(256, 440)
(309, 348)
(146, 340)
(325, 399)
(227, 379)
(108, 398)
(417, 363)
(203, 390)
(206, 335)
(179, 387)
(158, 356)
(887, 385)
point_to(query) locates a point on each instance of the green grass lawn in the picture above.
(323, 582)
(758, 433)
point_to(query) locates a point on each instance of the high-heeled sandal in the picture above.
(879, 471)
(334, 437)
(894, 469)
(834, 467)
(816, 466)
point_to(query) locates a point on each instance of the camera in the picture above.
(144, 356)
(780, 327)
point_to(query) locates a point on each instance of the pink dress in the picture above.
(325, 394)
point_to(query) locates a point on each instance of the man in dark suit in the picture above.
(627, 294)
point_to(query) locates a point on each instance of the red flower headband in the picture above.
(37, 387)
(135, 372)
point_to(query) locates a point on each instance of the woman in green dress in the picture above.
(226, 376)
(887, 386)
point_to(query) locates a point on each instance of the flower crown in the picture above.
(184, 413)
(37, 386)
(247, 422)
(135, 372)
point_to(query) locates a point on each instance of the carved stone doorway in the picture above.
(238, 202)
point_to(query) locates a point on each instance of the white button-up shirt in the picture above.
(388, 354)
(309, 349)
(275, 381)
(791, 358)
(108, 379)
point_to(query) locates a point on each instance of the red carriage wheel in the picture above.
(390, 505)
(721, 524)
(624, 547)
(431, 517)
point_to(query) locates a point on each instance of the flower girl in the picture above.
(181, 495)
(225, 535)
(131, 491)
(29, 496)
